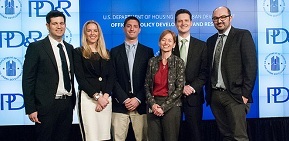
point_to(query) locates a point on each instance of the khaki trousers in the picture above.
(120, 125)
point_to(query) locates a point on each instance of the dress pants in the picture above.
(230, 116)
(164, 128)
(192, 127)
(56, 124)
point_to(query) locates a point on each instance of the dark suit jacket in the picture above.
(40, 76)
(239, 64)
(196, 69)
(88, 77)
(122, 86)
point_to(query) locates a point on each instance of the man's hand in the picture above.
(131, 104)
(33, 117)
(245, 100)
(188, 90)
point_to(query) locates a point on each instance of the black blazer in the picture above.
(239, 64)
(122, 85)
(196, 69)
(40, 76)
(88, 77)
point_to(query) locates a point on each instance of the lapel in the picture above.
(137, 58)
(176, 50)
(226, 49)
(228, 42)
(211, 48)
(48, 49)
(190, 50)
(69, 53)
(124, 58)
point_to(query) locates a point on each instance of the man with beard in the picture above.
(233, 64)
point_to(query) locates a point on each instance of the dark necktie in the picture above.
(65, 72)
(217, 58)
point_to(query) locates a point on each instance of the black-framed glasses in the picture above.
(222, 18)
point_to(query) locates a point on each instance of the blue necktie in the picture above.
(130, 58)
(65, 72)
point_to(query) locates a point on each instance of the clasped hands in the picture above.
(157, 110)
(131, 103)
(102, 102)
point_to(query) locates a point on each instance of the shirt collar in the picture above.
(128, 45)
(53, 42)
(226, 32)
(181, 38)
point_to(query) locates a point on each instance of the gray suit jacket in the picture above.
(239, 64)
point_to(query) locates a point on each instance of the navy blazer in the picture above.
(196, 69)
(122, 85)
(40, 76)
(238, 64)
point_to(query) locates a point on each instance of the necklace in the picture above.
(164, 65)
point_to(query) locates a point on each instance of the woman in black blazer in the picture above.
(95, 77)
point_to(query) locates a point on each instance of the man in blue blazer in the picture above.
(47, 82)
(232, 73)
(130, 61)
(194, 53)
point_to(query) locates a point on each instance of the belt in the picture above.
(62, 97)
(219, 89)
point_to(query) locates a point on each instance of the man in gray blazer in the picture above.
(47, 82)
(232, 72)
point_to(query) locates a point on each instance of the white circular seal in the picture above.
(275, 63)
(11, 68)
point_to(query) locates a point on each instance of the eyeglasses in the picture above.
(222, 18)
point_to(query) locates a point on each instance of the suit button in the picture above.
(129, 81)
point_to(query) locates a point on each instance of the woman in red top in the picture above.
(164, 84)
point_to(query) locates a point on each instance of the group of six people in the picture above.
(129, 85)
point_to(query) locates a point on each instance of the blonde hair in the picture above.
(100, 45)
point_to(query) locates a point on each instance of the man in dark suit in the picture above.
(130, 61)
(194, 52)
(47, 82)
(232, 73)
